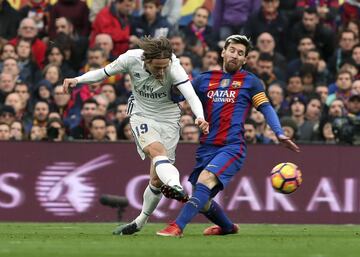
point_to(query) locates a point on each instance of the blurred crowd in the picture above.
(307, 53)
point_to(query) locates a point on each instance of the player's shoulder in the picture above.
(135, 53)
(210, 73)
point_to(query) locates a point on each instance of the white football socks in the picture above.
(167, 172)
(151, 199)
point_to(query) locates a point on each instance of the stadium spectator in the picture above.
(111, 131)
(97, 128)
(308, 74)
(290, 127)
(56, 56)
(88, 112)
(276, 96)
(268, 19)
(39, 11)
(55, 130)
(13, 99)
(178, 44)
(52, 73)
(37, 133)
(61, 103)
(104, 41)
(266, 70)
(313, 110)
(326, 9)
(68, 39)
(28, 31)
(124, 130)
(343, 86)
(337, 109)
(190, 133)
(150, 23)
(323, 91)
(266, 44)
(252, 60)
(74, 10)
(250, 131)
(305, 44)
(310, 25)
(7, 51)
(353, 106)
(187, 64)
(17, 131)
(96, 7)
(121, 113)
(103, 104)
(326, 131)
(350, 10)
(114, 20)
(29, 70)
(22, 89)
(347, 40)
(198, 34)
(7, 114)
(313, 57)
(229, 16)
(40, 117)
(4, 131)
(186, 119)
(259, 120)
(210, 58)
(355, 88)
(11, 66)
(108, 91)
(9, 20)
(43, 91)
(7, 85)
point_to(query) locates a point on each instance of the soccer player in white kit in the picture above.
(154, 117)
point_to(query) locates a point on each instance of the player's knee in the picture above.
(155, 181)
(206, 207)
(155, 149)
(207, 178)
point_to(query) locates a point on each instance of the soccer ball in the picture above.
(286, 177)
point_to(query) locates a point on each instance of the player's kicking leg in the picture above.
(216, 215)
(151, 198)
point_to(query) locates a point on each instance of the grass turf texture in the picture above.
(96, 240)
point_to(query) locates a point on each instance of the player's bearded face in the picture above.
(234, 57)
(158, 67)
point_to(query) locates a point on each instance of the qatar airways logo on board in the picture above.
(66, 188)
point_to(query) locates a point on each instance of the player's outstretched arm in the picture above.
(69, 84)
(273, 120)
(89, 77)
(288, 143)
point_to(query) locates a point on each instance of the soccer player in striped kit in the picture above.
(227, 97)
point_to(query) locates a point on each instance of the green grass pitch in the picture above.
(95, 240)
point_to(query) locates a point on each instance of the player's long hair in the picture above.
(155, 48)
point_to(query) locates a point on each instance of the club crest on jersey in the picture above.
(136, 75)
(236, 84)
(224, 83)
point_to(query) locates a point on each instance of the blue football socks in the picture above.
(194, 205)
(217, 216)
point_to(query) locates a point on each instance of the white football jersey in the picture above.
(151, 97)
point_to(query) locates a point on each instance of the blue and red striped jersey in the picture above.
(227, 99)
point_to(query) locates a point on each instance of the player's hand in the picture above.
(203, 125)
(284, 140)
(68, 85)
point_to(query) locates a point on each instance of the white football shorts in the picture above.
(147, 131)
